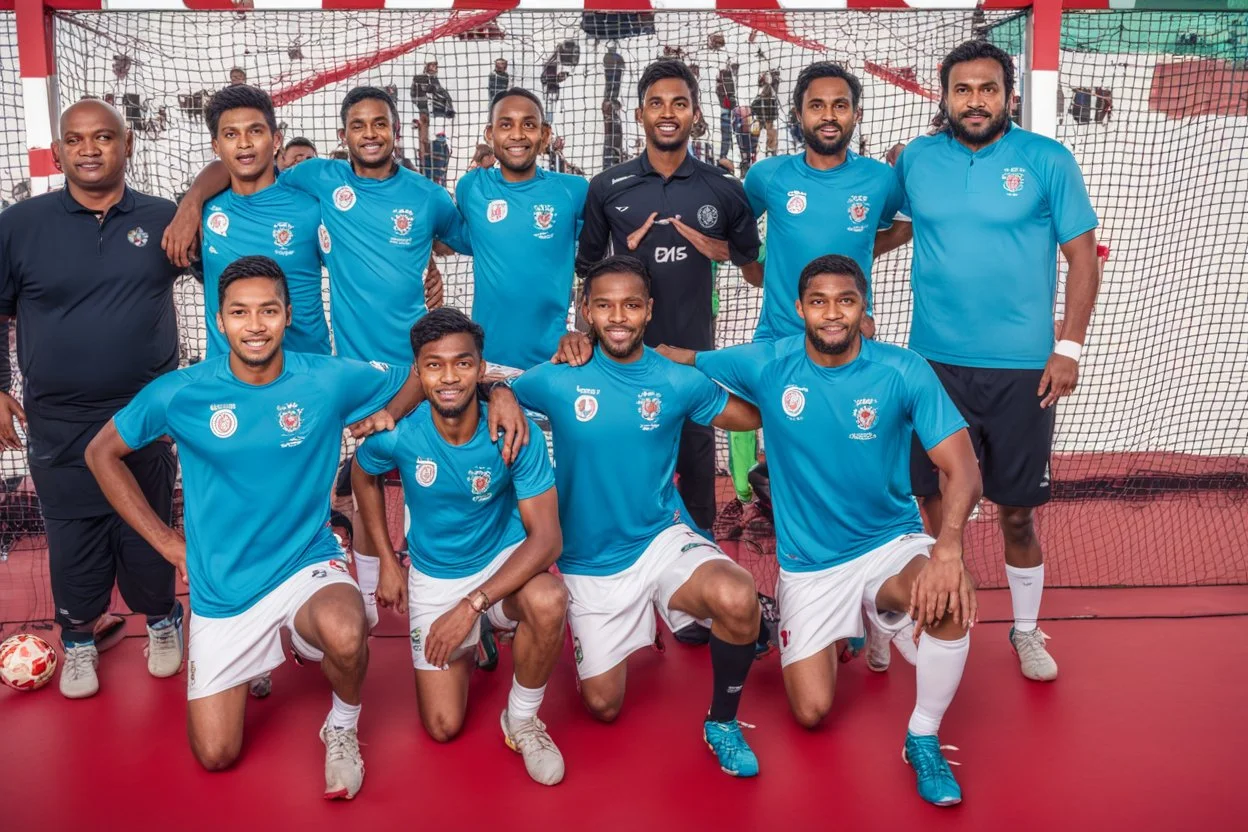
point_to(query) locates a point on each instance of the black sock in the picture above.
(730, 664)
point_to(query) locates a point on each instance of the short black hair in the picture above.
(300, 141)
(667, 68)
(518, 92)
(826, 69)
(444, 321)
(973, 50)
(832, 264)
(359, 94)
(238, 97)
(250, 266)
(615, 264)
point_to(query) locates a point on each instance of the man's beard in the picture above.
(450, 411)
(824, 347)
(990, 131)
(676, 143)
(527, 166)
(384, 162)
(834, 148)
(617, 352)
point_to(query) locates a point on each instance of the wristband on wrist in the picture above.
(1071, 349)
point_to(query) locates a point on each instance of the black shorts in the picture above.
(88, 555)
(1012, 434)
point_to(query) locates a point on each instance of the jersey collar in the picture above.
(73, 206)
(1010, 128)
(685, 170)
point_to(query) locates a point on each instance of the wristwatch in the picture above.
(479, 601)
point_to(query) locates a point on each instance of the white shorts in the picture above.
(428, 598)
(225, 652)
(819, 608)
(613, 615)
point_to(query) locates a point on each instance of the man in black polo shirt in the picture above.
(83, 272)
(678, 215)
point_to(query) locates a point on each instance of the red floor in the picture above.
(1143, 731)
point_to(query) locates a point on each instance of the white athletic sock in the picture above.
(343, 715)
(1026, 587)
(938, 673)
(368, 573)
(523, 702)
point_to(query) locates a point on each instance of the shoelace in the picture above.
(1030, 643)
(928, 758)
(77, 660)
(341, 744)
(533, 731)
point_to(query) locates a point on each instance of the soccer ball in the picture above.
(26, 662)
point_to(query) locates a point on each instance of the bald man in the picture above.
(83, 273)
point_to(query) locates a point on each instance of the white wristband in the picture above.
(1071, 349)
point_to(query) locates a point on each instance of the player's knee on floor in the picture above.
(443, 726)
(544, 602)
(810, 711)
(604, 706)
(217, 754)
(1017, 525)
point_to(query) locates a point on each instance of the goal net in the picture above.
(1149, 471)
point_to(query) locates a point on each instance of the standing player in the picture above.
(258, 433)
(985, 280)
(93, 297)
(379, 222)
(523, 223)
(488, 533)
(253, 217)
(625, 548)
(850, 536)
(678, 215)
(825, 200)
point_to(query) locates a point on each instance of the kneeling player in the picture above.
(487, 535)
(839, 413)
(617, 422)
(258, 433)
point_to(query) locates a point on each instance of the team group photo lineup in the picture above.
(550, 449)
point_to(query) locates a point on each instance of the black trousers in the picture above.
(695, 464)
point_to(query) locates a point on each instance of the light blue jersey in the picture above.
(616, 432)
(838, 442)
(376, 236)
(464, 498)
(523, 238)
(987, 226)
(258, 465)
(279, 223)
(811, 213)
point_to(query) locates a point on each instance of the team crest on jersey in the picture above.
(496, 211)
(322, 237)
(219, 223)
(426, 472)
(586, 407)
(793, 401)
(1012, 179)
(290, 417)
(649, 405)
(137, 237)
(344, 198)
(708, 215)
(283, 233)
(865, 415)
(544, 221)
(859, 207)
(223, 421)
(479, 481)
(797, 202)
(402, 218)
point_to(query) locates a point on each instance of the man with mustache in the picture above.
(991, 205)
(677, 215)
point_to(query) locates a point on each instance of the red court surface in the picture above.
(1143, 731)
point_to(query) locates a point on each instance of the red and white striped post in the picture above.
(39, 104)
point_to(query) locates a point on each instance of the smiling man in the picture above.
(83, 272)
(523, 223)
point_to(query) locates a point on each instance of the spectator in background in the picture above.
(340, 153)
(439, 159)
(726, 92)
(237, 76)
(613, 72)
(557, 162)
(746, 128)
(569, 53)
(429, 96)
(766, 109)
(482, 157)
(403, 159)
(297, 150)
(499, 79)
(612, 133)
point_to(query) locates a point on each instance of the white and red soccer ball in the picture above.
(26, 662)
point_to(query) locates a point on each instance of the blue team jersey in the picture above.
(987, 226)
(465, 496)
(277, 223)
(811, 213)
(375, 237)
(838, 442)
(616, 430)
(523, 237)
(258, 465)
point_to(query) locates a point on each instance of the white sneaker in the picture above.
(78, 664)
(1033, 657)
(541, 757)
(344, 767)
(164, 646)
(261, 686)
(879, 656)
